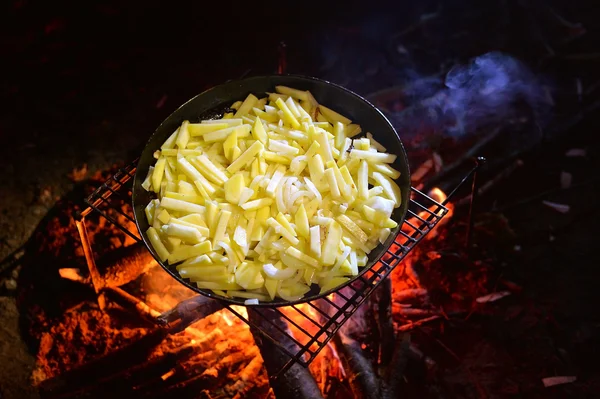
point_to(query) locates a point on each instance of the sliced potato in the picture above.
(270, 199)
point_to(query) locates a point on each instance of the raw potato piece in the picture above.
(271, 199)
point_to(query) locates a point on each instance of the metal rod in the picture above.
(97, 281)
(474, 194)
(478, 164)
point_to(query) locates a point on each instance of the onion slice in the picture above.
(278, 274)
(313, 189)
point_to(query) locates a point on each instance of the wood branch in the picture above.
(246, 378)
(393, 378)
(143, 309)
(296, 382)
(385, 324)
(73, 274)
(187, 312)
(409, 293)
(91, 262)
(407, 311)
(189, 381)
(413, 324)
(231, 360)
(363, 379)
(415, 354)
(124, 264)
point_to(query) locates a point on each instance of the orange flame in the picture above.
(438, 195)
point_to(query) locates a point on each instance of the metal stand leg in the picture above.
(474, 194)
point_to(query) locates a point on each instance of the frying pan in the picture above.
(214, 102)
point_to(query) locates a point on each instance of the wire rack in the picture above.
(311, 325)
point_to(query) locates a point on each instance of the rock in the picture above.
(10, 284)
(16, 363)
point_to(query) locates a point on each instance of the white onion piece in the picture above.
(295, 164)
(278, 274)
(287, 191)
(256, 181)
(293, 281)
(340, 260)
(233, 260)
(253, 301)
(299, 194)
(321, 220)
(310, 185)
(325, 213)
(279, 196)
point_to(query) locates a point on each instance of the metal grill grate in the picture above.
(324, 316)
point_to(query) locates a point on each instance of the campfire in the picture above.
(110, 321)
(119, 324)
(495, 298)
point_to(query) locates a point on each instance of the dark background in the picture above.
(86, 83)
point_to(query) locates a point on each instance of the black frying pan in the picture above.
(212, 104)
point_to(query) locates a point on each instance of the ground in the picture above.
(80, 97)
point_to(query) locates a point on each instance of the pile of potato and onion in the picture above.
(270, 199)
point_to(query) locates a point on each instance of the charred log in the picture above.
(363, 378)
(394, 372)
(385, 324)
(295, 383)
(188, 312)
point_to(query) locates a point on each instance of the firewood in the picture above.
(411, 312)
(397, 366)
(209, 377)
(411, 325)
(188, 312)
(246, 378)
(230, 361)
(363, 379)
(410, 293)
(383, 317)
(124, 264)
(296, 382)
(142, 308)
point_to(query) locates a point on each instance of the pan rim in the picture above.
(281, 302)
